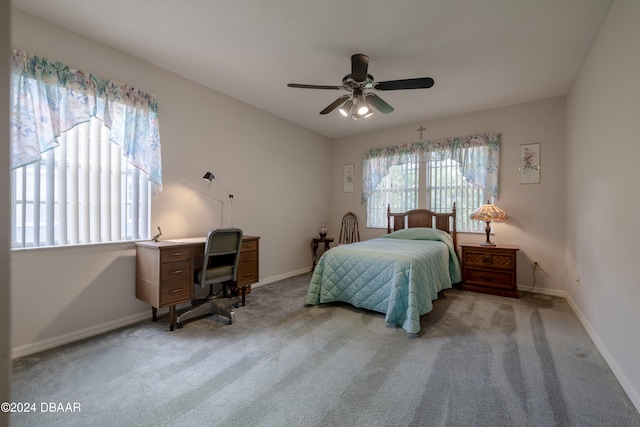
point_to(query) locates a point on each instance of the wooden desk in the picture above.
(165, 271)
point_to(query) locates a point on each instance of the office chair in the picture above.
(220, 265)
(349, 231)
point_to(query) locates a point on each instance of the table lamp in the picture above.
(488, 213)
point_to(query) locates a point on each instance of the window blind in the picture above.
(82, 192)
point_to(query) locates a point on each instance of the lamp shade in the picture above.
(345, 110)
(488, 213)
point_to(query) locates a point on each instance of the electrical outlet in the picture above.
(535, 265)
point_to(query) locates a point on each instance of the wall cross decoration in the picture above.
(421, 129)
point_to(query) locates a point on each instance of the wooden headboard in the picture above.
(423, 218)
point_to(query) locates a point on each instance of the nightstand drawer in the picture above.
(493, 260)
(490, 278)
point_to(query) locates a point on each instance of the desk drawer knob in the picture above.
(176, 253)
(247, 260)
(488, 278)
(488, 260)
(176, 271)
(175, 291)
(247, 274)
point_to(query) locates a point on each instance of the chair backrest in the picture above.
(349, 231)
(221, 256)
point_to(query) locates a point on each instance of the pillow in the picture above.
(421, 233)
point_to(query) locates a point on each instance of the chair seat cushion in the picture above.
(216, 274)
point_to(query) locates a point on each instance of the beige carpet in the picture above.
(480, 360)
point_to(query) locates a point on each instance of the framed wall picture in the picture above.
(530, 163)
(348, 178)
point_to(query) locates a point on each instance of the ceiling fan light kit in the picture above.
(359, 102)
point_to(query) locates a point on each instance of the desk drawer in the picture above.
(250, 245)
(248, 268)
(247, 277)
(175, 271)
(248, 260)
(175, 254)
(175, 293)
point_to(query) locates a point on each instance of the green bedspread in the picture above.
(398, 274)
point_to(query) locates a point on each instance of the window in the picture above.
(432, 175)
(85, 153)
(83, 191)
(399, 188)
(446, 185)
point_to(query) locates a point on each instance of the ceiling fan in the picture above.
(359, 101)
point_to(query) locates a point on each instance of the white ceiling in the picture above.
(481, 53)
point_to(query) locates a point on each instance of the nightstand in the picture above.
(490, 269)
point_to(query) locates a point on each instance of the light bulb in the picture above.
(345, 110)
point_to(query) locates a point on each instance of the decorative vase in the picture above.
(323, 230)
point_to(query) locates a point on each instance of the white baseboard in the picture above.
(544, 291)
(280, 277)
(36, 347)
(49, 343)
(632, 392)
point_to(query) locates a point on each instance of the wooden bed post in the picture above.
(454, 233)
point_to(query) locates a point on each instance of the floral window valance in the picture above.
(49, 98)
(477, 156)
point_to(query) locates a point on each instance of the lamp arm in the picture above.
(230, 201)
(225, 190)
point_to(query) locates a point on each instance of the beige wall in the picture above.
(275, 169)
(536, 211)
(5, 214)
(603, 148)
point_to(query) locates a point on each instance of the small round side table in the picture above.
(315, 242)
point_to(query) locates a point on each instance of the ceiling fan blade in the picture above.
(419, 83)
(359, 66)
(335, 104)
(303, 86)
(378, 103)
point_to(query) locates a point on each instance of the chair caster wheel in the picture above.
(179, 325)
(230, 322)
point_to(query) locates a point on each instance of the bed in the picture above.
(398, 274)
